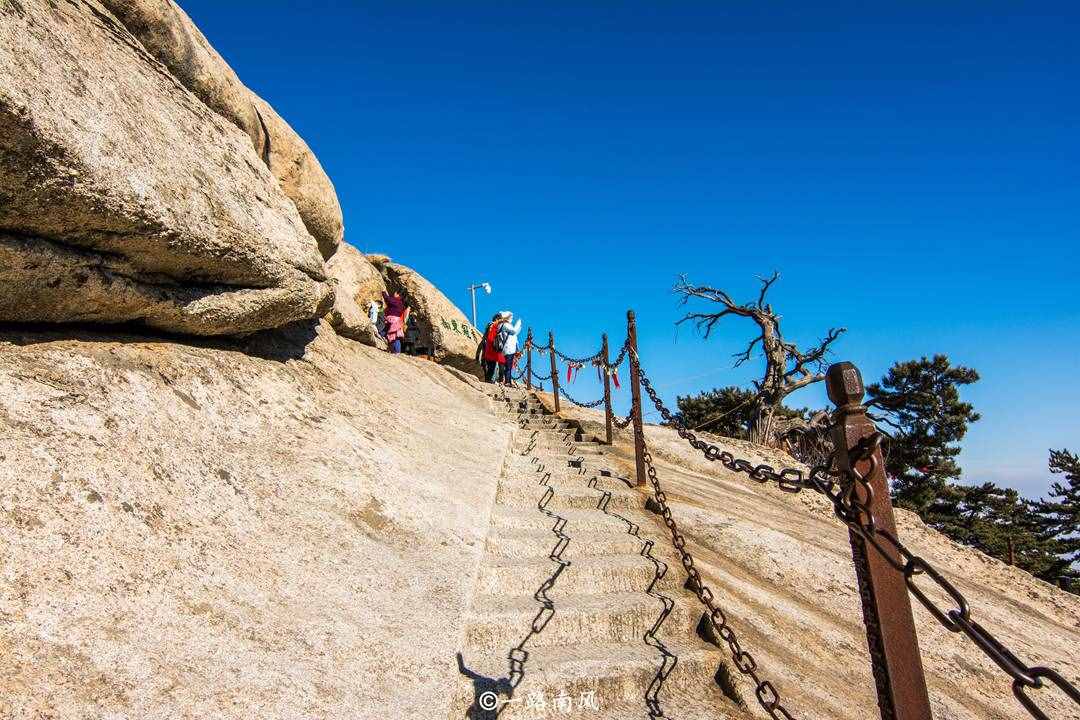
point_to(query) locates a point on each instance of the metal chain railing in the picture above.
(621, 356)
(539, 377)
(767, 694)
(595, 403)
(624, 423)
(851, 502)
(574, 360)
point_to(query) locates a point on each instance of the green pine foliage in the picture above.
(920, 401)
(1059, 518)
(727, 411)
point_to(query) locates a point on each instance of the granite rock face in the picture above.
(357, 282)
(195, 531)
(166, 31)
(442, 330)
(124, 198)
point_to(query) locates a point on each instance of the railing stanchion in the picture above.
(607, 387)
(554, 370)
(890, 627)
(635, 395)
(528, 360)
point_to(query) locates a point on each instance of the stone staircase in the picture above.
(578, 608)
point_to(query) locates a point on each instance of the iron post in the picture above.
(554, 370)
(890, 627)
(635, 395)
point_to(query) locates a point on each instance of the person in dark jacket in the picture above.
(491, 357)
(397, 320)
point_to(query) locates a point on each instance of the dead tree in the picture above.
(787, 368)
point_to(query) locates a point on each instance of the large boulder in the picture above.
(443, 331)
(124, 198)
(356, 283)
(170, 36)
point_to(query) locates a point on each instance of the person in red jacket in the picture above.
(492, 358)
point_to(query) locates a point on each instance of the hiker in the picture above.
(397, 318)
(506, 342)
(373, 313)
(490, 357)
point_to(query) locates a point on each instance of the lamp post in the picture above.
(472, 292)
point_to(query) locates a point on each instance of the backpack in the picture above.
(500, 339)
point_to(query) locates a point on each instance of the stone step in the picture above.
(505, 577)
(515, 543)
(571, 479)
(609, 680)
(567, 493)
(577, 521)
(496, 623)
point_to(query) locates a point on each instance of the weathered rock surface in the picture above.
(124, 198)
(198, 532)
(166, 31)
(445, 333)
(356, 282)
(780, 567)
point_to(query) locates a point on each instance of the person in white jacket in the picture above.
(507, 345)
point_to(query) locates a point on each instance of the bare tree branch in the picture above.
(742, 357)
(765, 285)
(787, 368)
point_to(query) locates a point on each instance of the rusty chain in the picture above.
(767, 694)
(851, 502)
(576, 361)
(541, 378)
(621, 424)
(596, 403)
(622, 354)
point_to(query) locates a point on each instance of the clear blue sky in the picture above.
(910, 168)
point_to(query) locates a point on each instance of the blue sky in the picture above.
(910, 168)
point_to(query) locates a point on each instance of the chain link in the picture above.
(767, 694)
(852, 496)
(577, 361)
(621, 424)
(622, 354)
(541, 378)
(595, 403)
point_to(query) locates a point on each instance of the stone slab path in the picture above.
(578, 608)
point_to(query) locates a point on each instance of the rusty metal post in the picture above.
(528, 360)
(554, 370)
(890, 628)
(635, 395)
(607, 387)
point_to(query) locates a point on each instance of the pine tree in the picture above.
(920, 401)
(1059, 520)
(728, 411)
(995, 520)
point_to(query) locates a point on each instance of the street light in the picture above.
(472, 291)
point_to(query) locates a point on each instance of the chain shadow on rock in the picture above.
(668, 659)
(518, 656)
